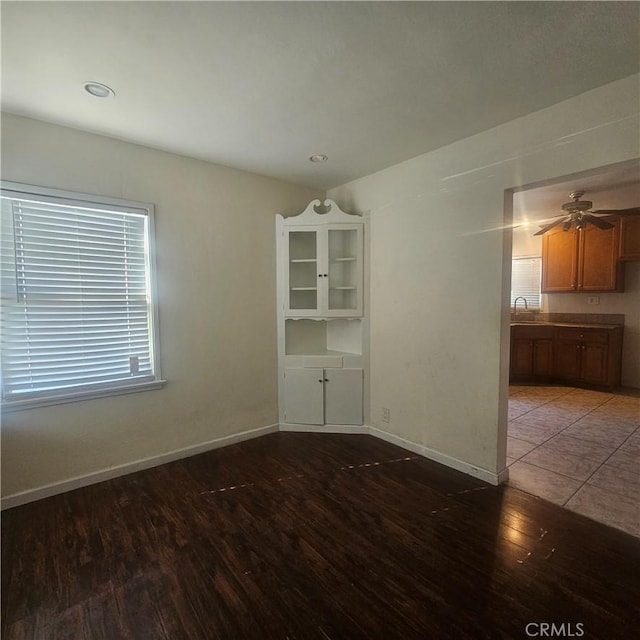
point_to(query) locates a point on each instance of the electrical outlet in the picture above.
(593, 300)
(386, 415)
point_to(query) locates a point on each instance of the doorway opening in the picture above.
(573, 430)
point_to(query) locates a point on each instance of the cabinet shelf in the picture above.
(298, 260)
(304, 288)
(302, 351)
(294, 317)
(323, 337)
(347, 259)
(342, 288)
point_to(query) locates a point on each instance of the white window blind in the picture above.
(77, 311)
(525, 281)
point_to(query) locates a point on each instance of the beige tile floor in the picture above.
(579, 449)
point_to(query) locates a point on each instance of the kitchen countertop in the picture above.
(571, 320)
(573, 325)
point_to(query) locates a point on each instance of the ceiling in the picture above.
(616, 187)
(262, 85)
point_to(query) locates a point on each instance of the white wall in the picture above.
(525, 244)
(215, 244)
(439, 283)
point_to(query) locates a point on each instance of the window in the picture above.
(525, 281)
(78, 310)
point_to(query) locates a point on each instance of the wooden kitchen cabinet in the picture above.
(629, 238)
(588, 356)
(582, 259)
(559, 260)
(575, 355)
(531, 353)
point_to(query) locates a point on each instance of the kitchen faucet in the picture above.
(515, 303)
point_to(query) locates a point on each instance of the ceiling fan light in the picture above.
(580, 213)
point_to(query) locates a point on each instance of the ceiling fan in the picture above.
(579, 213)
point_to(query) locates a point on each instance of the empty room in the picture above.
(320, 320)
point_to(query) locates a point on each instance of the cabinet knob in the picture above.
(325, 275)
(320, 380)
(326, 379)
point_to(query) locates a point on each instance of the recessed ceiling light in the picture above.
(318, 157)
(99, 90)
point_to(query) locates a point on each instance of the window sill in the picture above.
(36, 403)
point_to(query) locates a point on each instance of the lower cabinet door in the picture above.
(594, 363)
(343, 396)
(567, 360)
(521, 358)
(304, 396)
(543, 358)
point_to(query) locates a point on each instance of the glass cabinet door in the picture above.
(323, 271)
(344, 290)
(302, 272)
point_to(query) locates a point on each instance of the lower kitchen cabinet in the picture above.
(581, 356)
(323, 396)
(589, 356)
(531, 353)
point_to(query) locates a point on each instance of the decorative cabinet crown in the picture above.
(322, 212)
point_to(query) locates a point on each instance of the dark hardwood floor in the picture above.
(306, 536)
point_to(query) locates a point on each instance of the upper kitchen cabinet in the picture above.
(582, 259)
(559, 260)
(322, 265)
(629, 238)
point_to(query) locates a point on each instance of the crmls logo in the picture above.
(553, 630)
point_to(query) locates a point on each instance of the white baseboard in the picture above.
(130, 467)
(431, 454)
(436, 456)
(77, 482)
(326, 428)
(503, 476)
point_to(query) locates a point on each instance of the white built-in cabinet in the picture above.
(322, 320)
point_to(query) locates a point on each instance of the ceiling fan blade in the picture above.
(598, 222)
(548, 226)
(632, 210)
